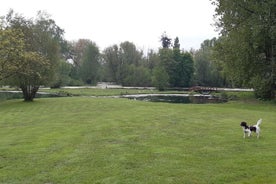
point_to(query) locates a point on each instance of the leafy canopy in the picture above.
(31, 50)
(247, 44)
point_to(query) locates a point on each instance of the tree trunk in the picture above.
(29, 92)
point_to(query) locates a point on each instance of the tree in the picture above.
(63, 71)
(152, 60)
(184, 66)
(247, 45)
(168, 63)
(176, 44)
(207, 72)
(178, 65)
(160, 78)
(112, 63)
(120, 60)
(184, 70)
(165, 40)
(32, 75)
(89, 69)
(78, 48)
(137, 76)
(129, 54)
(42, 45)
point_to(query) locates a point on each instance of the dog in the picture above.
(249, 129)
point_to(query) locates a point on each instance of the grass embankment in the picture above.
(64, 92)
(102, 92)
(100, 140)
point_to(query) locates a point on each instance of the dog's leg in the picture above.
(243, 134)
(258, 134)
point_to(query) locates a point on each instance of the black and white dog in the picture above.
(249, 129)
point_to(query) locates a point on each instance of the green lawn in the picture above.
(104, 140)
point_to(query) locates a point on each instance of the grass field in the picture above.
(104, 140)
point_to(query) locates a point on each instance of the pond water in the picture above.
(176, 98)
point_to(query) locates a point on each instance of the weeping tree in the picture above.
(42, 41)
(247, 44)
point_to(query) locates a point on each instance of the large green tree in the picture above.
(43, 41)
(125, 65)
(207, 72)
(152, 60)
(77, 50)
(112, 63)
(90, 64)
(184, 66)
(168, 63)
(177, 64)
(35, 72)
(63, 74)
(247, 44)
(160, 78)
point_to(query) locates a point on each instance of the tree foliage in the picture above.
(63, 74)
(165, 40)
(247, 45)
(89, 69)
(177, 64)
(126, 65)
(40, 50)
(32, 75)
(160, 78)
(11, 52)
(112, 63)
(207, 71)
(184, 66)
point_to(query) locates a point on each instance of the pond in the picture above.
(176, 98)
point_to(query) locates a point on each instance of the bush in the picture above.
(160, 78)
(263, 88)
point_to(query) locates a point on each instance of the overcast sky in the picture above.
(108, 22)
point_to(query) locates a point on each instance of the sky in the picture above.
(109, 22)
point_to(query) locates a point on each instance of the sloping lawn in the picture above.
(104, 140)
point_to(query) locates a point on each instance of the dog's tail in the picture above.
(259, 122)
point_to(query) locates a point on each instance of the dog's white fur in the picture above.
(249, 129)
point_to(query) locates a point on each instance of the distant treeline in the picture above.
(33, 52)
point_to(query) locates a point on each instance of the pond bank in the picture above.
(176, 98)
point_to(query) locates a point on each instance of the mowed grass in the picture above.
(104, 140)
